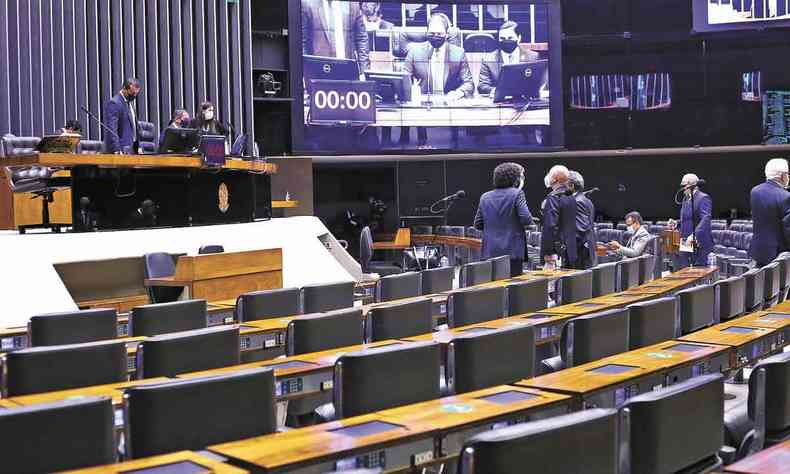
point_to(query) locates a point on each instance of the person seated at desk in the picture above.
(509, 52)
(638, 241)
(180, 120)
(72, 127)
(206, 121)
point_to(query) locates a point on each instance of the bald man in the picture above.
(700, 235)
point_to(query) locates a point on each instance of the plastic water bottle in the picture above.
(712, 261)
(444, 261)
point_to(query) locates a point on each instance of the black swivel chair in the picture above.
(211, 248)
(574, 288)
(51, 368)
(399, 320)
(91, 147)
(163, 318)
(324, 331)
(59, 436)
(327, 297)
(697, 308)
(784, 274)
(771, 284)
(732, 297)
(268, 304)
(487, 358)
(40, 182)
(476, 273)
(527, 296)
(475, 305)
(73, 327)
(604, 279)
(146, 137)
(627, 273)
(159, 265)
(592, 337)
(366, 257)
(194, 413)
(395, 287)
(437, 280)
(188, 351)
(647, 264)
(654, 321)
(500, 268)
(755, 288)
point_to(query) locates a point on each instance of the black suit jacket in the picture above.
(559, 226)
(318, 37)
(771, 217)
(118, 119)
(502, 215)
(492, 65)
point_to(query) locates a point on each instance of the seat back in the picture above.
(654, 321)
(604, 280)
(73, 327)
(399, 320)
(402, 285)
(628, 273)
(51, 368)
(19, 146)
(188, 351)
(732, 297)
(437, 280)
(90, 147)
(755, 288)
(268, 304)
(476, 273)
(784, 274)
(776, 393)
(380, 378)
(647, 265)
(192, 414)
(59, 436)
(211, 248)
(500, 268)
(771, 283)
(421, 230)
(146, 136)
(575, 287)
(697, 308)
(365, 249)
(327, 297)
(527, 296)
(163, 318)
(475, 305)
(487, 358)
(323, 331)
(594, 336)
(159, 265)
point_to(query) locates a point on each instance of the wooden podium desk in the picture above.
(222, 276)
(187, 459)
(750, 341)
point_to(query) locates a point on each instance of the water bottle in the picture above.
(444, 261)
(712, 261)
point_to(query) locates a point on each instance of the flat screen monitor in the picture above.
(467, 94)
(727, 15)
(751, 86)
(179, 140)
(776, 117)
(644, 91)
(212, 147)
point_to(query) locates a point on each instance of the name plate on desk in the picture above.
(342, 102)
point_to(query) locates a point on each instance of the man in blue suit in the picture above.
(558, 237)
(502, 215)
(120, 116)
(771, 213)
(700, 236)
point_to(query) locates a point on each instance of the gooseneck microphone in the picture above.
(590, 191)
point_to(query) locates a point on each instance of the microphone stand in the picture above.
(96, 119)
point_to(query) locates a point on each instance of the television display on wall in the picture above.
(646, 91)
(724, 15)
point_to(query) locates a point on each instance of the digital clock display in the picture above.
(342, 102)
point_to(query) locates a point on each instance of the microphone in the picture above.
(590, 191)
(103, 125)
(458, 195)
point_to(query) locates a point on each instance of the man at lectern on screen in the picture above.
(335, 29)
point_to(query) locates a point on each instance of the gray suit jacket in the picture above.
(636, 244)
(457, 75)
(492, 64)
(318, 38)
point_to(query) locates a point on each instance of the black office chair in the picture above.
(91, 147)
(763, 417)
(399, 320)
(19, 146)
(627, 273)
(59, 436)
(194, 413)
(574, 288)
(476, 273)
(475, 305)
(395, 287)
(51, 368)
(500, 268)
(479, 43)
(73, 327)
(604, 280)
(784, 274)
(654, 321)
(163, 318)
(327, 297)
(647, 264)
(211, 248)
(755, 289)
(323, 331)
(146, 137)
(160, 265)
(437, 280)
(772, 284)
(659, 421)
(40, 182)
(592, 337)
(732, 297)
(527, 296)
(487, 358)
(188, 351)
(586, 441)
(268, 304)
(697, 308)
(393, 376)
(366, 257)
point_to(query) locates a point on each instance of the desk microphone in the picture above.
(590, 191)
(457, 195)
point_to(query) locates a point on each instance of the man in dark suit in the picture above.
(585, 224)
(502, 215)
(558, 238)
(120, 116)
(335, 29)
(509, 52)
(700, 236)
(771, 214)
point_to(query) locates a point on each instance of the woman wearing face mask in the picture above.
(639, 237)
(206, 121)
(502, 215)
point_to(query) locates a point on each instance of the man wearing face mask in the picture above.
(700, 236)
(637, 242)
(206, 121)
(509, 52)
(120, 116)
(180, 120)
(502, 215)
(770, 203)
(558, 237)
(585, 224)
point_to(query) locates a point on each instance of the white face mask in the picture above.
(208, 115)
(521, 183)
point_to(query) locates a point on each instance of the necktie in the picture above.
(437, 72)
(133, 116)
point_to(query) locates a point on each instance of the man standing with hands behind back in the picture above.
(700, 236)
(120, 116)
(771, 213)
(558, 238)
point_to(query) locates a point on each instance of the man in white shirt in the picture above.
(335, 29)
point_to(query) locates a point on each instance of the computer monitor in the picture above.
(391, 87)
(521, 81)
(212, 147)
(322, 67)
(179, 140)
(237, 149)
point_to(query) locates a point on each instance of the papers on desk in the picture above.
(685, 246)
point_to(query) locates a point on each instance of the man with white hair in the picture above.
(585, 224)
(771, 213)
(558, 238)
(695, 222)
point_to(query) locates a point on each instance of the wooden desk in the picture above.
(774, 460)
(770, 319)
(69, 160)
(401, 241)
(434, 239)
(6, 404)
(750, 341)
(114, 391)
(220, 276)
(418, 428)
(209, 464)
(285, 204)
